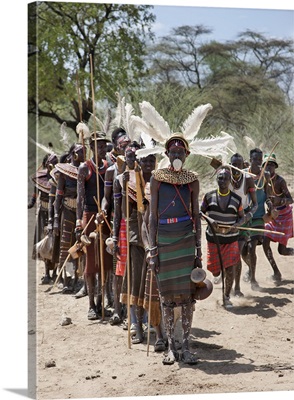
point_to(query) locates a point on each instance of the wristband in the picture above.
(153, 248)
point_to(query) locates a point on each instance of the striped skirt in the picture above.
(176, 252)
(283, 223)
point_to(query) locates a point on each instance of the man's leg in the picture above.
(90, 281)
(252, 265)
(238, 270)
(187, 316)
(269, 255)
(229, 280)
(168, 322)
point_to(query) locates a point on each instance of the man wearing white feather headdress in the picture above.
(175, 237)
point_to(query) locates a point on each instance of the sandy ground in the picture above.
(246, 349)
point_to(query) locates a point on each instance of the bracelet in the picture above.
(198, 247)
(56, 215)
(78, 222)
(78, 228)
(146, 248)
(153, 248)
(249, 215)
(154, 255)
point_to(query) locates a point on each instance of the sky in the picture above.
(226, 23)
(13, 34)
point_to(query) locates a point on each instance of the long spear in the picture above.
(98, 191)
(128, 265)
(80, 112)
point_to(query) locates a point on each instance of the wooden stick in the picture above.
(232, 166)
(243, 172)
(149, 311)
(79, 97)
(264, 167)
(253, 229)
(128, 266)
(98, 189)
(81, 112)
(67, 258)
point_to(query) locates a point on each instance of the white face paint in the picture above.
(177, 164)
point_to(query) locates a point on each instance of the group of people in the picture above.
(136, 229)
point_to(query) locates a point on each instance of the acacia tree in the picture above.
(236, 77)
(176, 57)
(63, 35)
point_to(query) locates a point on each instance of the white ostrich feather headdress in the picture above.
(153, 125)
(126, 119)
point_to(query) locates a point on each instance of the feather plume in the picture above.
(158, 149)
(233, 147)
(160, 127)
(249, 143)
(141, 126)
(100, 124)
(147, 141)
(120, 110)
(129, 123)
(212, 146)
(107, 121)
(83, 131)
(192, 124)
(64, 135)
(41, 146)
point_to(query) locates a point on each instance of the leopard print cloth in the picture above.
(175, 178)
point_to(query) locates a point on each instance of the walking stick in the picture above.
(149, 311)
(98, 191)
(67, 258)
(128, 265)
